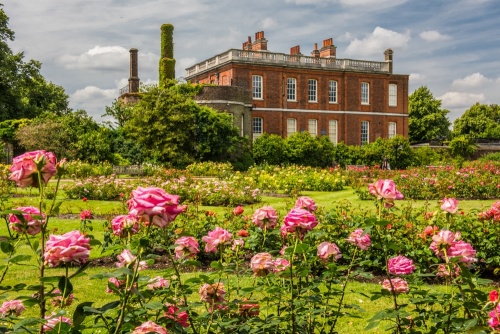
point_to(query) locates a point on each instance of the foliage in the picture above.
(24, 93)
(120, 111)
(462, 146)
(79, 169)
(304, 149)
(167, 61)
(220, 170)
(426, 121)
(479, 121)
(269, 149)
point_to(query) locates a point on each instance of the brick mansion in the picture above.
(354, 101)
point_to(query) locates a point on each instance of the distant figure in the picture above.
(385, 165)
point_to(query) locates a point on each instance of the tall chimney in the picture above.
(315, 52)
(388, 58)
(133, 81)
(295, 50)
(260, 43)
(328, 50)
(248, 44)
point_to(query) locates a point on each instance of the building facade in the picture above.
(350, 101)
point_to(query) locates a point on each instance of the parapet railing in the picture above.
(265, 57)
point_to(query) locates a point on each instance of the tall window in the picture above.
(257, 87)
(393, 95)
(291, 126)
(392, 129)
(257, 127)
(365, 132)
(313, 90)
(332, 131)
(291, 89)
(332, 91)
(312, 127)
(365, 93)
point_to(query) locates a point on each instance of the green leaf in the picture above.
(65, 286)
(110, 306)
(19, 258)
(79, 314)
(154, 306)
(216, 265)
(6, 247)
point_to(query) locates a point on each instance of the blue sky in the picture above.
(450, 46)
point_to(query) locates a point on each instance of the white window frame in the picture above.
(291, 126)
(392, 131)
(393, 95)
(333, 131)
(332, 91)
(312, 90)
(291, 89)
(257, 87)
(257, 127)
(312, 127)
(365, 93)
(365, 132)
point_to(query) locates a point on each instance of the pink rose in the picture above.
(158, 282)
(463, 251)
(280, 264)
(125, 225)
(12, 307)
(217, 237)
(399, 284)
(385, 189)
(262, 264)
(53, 322)
(154, 205)
(25, 168)
(400, 265)
(120, 284)
(125, 258)
(149, 327)
(238, 210)
(31, 223)
(494, 317)
(212, 293)
(249, 309)
(359, 239)
(265, 217)
(86, 214)
(442, 241)
(300, 221)
(327, 250)
(306, 203)
(59, 301)
(237, 244)
(186, 247)
(449, 205)
(71, 247)
(173, 313)
(443, 270)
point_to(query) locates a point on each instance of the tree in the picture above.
(479, 121)
(24, 93)
(120, 111)
(173, 129)
(269, 149)
(427, 121)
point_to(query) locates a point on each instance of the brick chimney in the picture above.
(133, 81)
(260, 43)
(388, 58)
(328, 50)
(248, 44)
(295, 50)
(315, 52)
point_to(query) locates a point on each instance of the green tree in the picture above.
(304, 149)
(24, 93)
(120, 111)
(427, 121)
(269, 149)
(479, 121)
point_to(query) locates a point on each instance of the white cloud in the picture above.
(433, 36)
(460, 100)
(92, 93)
(375, 3)
(417, 77)
(376, 42)
(473, 80)
(268, 22)
(98, 58)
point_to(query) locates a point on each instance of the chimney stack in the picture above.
(388, 58)
(248, 44)
(315, 52)
(133, 81)
(260, 43)
(295, 50)
(328, 50)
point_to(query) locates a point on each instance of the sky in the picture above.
(450, 46)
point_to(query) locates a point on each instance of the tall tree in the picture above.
(479, 121)
(427, 121)
(24, 93)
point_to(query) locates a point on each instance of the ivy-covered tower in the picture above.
(167, 61)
